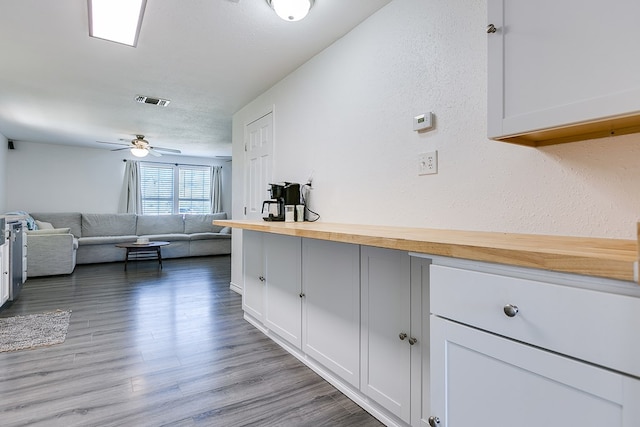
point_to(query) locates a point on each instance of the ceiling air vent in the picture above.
(150, 100)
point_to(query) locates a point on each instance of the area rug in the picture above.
(33, 330)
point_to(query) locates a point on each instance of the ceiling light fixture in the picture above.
(116, 20)
(139, 152)
(291, 10)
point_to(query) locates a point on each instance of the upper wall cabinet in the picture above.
(562, 71)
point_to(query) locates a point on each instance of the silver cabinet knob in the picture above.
(413, 340)
(261, 278)
(491, 29)
(434, 421)
(402, 336)
(510, 310)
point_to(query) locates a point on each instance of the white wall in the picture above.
(347, 116)
(56, 178)
(3, 173)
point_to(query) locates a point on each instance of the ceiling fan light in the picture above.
(291, 10)
(139, 152)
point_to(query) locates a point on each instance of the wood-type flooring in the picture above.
(151, 347)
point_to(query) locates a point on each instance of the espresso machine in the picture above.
(282, 194)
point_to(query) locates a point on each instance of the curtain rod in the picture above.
(175, 164)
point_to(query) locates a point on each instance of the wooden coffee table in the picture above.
(151, 250)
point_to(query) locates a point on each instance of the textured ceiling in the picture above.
(208, 57)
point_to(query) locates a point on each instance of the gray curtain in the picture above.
(130, 201)
(216, 189)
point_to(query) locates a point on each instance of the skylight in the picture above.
(116, 20)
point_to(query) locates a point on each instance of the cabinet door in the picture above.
(331, 306)
(386, 329)
(24, 255)
(283, 306)
(420, 364)
(253, 274)
(479, 378)
(549, 67)
(4, 273)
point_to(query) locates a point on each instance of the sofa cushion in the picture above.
(159, 224)
(104, 240)
(208, 236)
(49, 231)
(108, 225)
(203, 223)
(42, 225)
(169, 237)
(73, 220)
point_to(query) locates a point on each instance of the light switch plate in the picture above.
(423, 121)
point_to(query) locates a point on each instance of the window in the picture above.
(171, 189)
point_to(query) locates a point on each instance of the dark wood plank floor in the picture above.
(152, 347)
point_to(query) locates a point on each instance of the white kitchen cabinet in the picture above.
(4, 272)
(253, 274)
(483, 379)
(272, 283)
(387, 336)
(395, 334)
(282, 289)
(331, 306)
(515, 347)
(562, 71)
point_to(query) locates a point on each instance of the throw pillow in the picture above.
(49, 231)
(44, 225)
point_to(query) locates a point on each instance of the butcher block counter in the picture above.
(609, 258)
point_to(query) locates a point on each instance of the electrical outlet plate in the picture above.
(428, 163)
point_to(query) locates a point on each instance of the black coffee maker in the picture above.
(282, 194)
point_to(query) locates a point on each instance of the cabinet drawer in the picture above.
(593, 326)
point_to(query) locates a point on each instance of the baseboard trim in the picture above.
(235, 288)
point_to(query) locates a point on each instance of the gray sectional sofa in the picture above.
(91, 238)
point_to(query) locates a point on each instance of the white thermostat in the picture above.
(423, 121)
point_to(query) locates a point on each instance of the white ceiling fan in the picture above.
(140, 147)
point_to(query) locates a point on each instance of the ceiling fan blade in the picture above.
(168, 150)
(120, 149)
(154, 152)
(113, 143)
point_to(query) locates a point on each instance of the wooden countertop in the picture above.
(610, 258)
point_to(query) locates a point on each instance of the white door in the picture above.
(259, 162)
(283, 271)
(481, 379)
(331, 306)
(386, 329)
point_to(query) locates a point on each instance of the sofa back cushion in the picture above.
(203, 223)
(108, 225)
(73, 220)
(160, 224)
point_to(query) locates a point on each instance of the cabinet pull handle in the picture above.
(402, 336)
(491, 29)
(261, 278)
(302, 295)
(510, 310)
(434, 421)
(413, 340)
